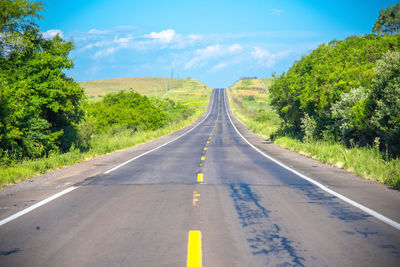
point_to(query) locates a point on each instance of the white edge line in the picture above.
(37, 205)
(69, 189)
(323, 187)
(147, 152)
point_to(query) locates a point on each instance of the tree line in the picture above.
(347, 90)
(39, 105)
(44, 111)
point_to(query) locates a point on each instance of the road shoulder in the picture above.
(16, 197)
(373, 195)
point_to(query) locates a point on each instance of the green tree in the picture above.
(125, 110)
(39, 104)
(388, 22)
(385, 101)
(350, 114)
(321, 86)
(17, 20)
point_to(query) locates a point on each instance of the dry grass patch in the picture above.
(251, 93)
(149, 86)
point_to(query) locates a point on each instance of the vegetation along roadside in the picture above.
(348, 117)
(46, 119)
(252, 107)
(339, 104)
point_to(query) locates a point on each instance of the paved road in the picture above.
(240, 207)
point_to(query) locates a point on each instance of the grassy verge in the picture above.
(196, 97)
(254, 110)
(149, 86)
(251, 105)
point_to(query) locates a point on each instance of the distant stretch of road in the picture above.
(204, 198)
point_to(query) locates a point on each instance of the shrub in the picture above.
(308, 127)
(350, 88)
(126, 110)
(384, 101)
(350, 113)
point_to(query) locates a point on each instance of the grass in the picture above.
(194, 94)
(150, 86)
(366, 162)
(101, 144)
(252, 107)
(250, 103)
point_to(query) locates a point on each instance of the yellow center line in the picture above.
(205, 148)
(194, 257)
(195, 197)
(203, 158)
(200, 177)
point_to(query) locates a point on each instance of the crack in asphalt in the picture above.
(265, 237)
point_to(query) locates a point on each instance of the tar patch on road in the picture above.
(335, 206)
(13, 251)
(264, 237)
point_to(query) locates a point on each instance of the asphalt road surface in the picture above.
(206, 198)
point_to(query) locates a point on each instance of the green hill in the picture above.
(149, 86)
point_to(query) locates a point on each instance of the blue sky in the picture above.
(216, 42)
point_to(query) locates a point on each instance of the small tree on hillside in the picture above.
(388, 22)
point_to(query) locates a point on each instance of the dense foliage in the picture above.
(128, 111)
(388, 21)
(17, 23)
(39, 104)
(41, 109)
(345, 90)
(125, 109)
(175, 112)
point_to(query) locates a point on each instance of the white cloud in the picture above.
(195, 37)
(50, 34)
(267, 58)
(276, 12)
(165, 36)
(123, 41)
(260, 54)
(235, 48)
(203, 54)
(105, 52)
(212, 52)
(219, 66)
(127, 37)
(95, 31)
(209, 51)
(193, 62)
(96, 44)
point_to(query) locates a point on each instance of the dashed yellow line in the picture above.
(200, 177)
(205, 148)
(194, 257)
(195, 197)
(203, 158)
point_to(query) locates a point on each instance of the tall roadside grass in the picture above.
(258, 115)
(250, 103)
(366, 162)
(100, 144)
